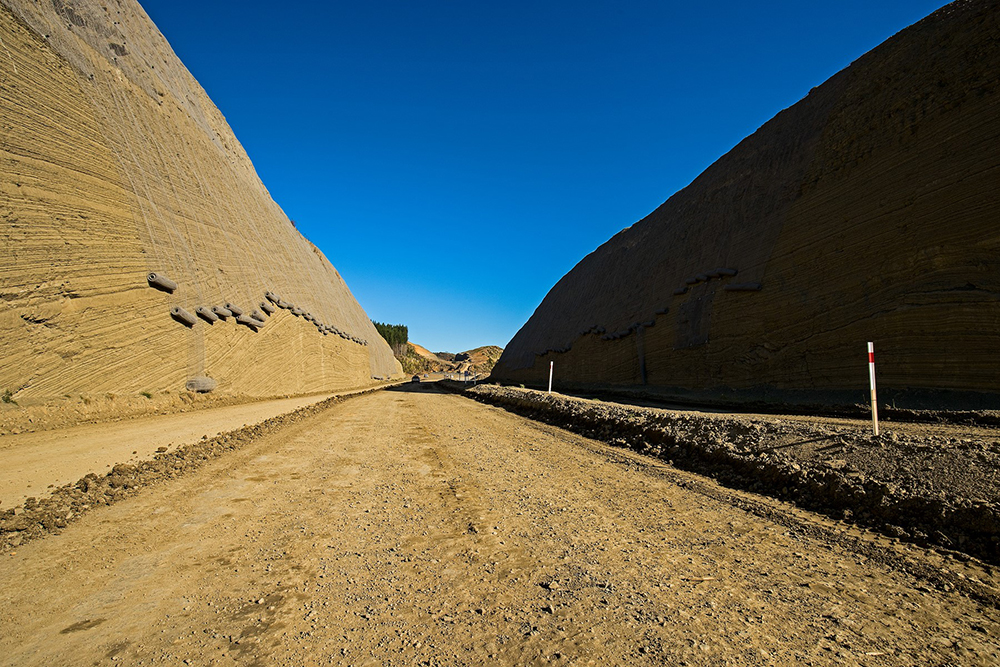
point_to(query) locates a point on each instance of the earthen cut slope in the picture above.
(868, 211)
(115, 164)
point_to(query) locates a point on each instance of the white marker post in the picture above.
(551, 366)
(871, 377)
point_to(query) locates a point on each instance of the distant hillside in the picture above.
(479, 360)
(425, 353)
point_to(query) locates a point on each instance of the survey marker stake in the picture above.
(871, 377)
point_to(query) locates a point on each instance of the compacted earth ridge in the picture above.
(933, 485)
(37, 517)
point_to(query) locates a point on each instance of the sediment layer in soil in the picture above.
(865, 212)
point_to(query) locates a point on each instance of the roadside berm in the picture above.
(926, 483)
(53, 510)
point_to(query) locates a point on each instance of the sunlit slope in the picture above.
(425, 353)
(114, 163)
(869, 211)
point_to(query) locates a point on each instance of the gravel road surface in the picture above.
(414, 527)
(33, 463)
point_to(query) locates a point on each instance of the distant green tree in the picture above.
(396, 335)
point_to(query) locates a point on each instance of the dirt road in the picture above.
(33, 463)
(413, 527)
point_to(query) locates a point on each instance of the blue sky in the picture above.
(454, 159)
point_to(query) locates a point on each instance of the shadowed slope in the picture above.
(867, 211)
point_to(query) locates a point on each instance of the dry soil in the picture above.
(414, 527)
(34, 463)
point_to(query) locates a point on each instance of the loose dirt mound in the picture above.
(115, 166)
(866, 212)
(929, 484)
(38, 517)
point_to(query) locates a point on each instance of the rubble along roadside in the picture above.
(925, 488)
(39, 517)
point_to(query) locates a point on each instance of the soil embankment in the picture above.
(931, 484)
(51, 509)
(114, 165)
(412, 527)
(865, 212)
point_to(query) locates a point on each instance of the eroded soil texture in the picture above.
(416, 527)
(930, 483)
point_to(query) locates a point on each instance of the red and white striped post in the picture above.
(871, 377)
(551, 366)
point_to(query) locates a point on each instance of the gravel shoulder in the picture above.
(35, 463)
(413, 527)
(932, 484)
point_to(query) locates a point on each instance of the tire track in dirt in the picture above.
(908, 485)
(411, 527)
